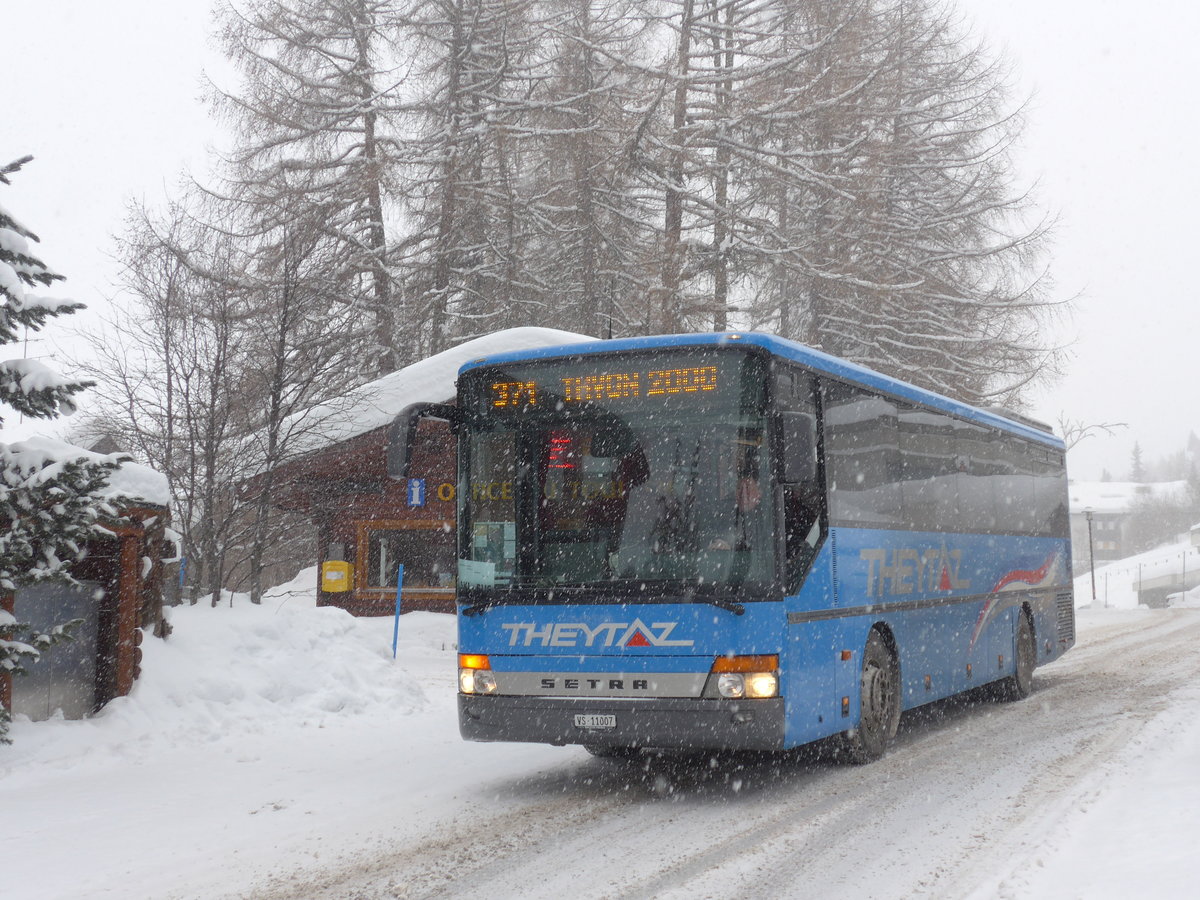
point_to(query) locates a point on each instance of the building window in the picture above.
(428, 554)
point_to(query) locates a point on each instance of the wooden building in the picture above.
(117, 592)
(368, 524)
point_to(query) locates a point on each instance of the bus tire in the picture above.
(1019, 685)
(880, 702)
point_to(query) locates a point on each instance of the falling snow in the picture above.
(268, 747)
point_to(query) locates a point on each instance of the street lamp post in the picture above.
(1091, 555)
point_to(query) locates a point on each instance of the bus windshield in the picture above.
(586, 480)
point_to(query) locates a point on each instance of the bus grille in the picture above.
(1065, 604)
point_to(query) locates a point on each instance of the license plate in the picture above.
(591, 720)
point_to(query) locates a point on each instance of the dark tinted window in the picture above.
(428, 556)
(929, 470)
(894, 465)
(1016, 502)
(862, 458)
(801, 486)
(978, 463)
(1050, 491)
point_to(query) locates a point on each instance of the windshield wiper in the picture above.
(738, 609)
(476, 609)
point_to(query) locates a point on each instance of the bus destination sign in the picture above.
(605, 387)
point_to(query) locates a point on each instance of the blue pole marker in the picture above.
(396, 626)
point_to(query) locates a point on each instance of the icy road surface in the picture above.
(973, 799)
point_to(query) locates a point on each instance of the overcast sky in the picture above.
(105, 96)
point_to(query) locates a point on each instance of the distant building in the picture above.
(1110, 504)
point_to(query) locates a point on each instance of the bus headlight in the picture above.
(475, 674)
(731, 686)
(752, 686)
(762, 684)
(749, 677)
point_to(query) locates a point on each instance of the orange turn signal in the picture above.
(474, 661)
(767, 663)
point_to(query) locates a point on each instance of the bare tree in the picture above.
(1072, 431)
(581, 125)
(219, 343)
(913, 250)
(464, 255)
(295, 356)
(163, 368)
(314, 118)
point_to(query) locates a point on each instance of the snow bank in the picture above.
(1185, 600)
(257, 739)
(241, 668)
(1117, 583)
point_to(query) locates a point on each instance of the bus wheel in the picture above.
(880, 702)
(1019, 685)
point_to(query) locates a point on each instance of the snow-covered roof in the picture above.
(130, 482)
(1117, 496)
(432, 380)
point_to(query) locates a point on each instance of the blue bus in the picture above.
(735, 542)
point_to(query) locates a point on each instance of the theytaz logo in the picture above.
(607, 634)
(910, 569)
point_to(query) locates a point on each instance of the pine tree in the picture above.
(47, 504)
(1137, 469)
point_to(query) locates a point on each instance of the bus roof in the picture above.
(786, 349)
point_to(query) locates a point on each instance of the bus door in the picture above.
(805, 560)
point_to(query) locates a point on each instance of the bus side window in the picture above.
(801, 485)
(802, 530)
(799, 433)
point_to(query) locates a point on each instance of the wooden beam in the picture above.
(8, 604)
(129, 602)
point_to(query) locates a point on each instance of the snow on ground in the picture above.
(257, 739)
(262, 741)
(1133, 828)
(1117, 583)
(1185, 599)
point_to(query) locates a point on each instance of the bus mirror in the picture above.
(403, 434)
(799, 447)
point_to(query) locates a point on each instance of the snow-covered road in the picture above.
(279, 752)
(974, 797)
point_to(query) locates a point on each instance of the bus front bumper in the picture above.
(662, 723)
